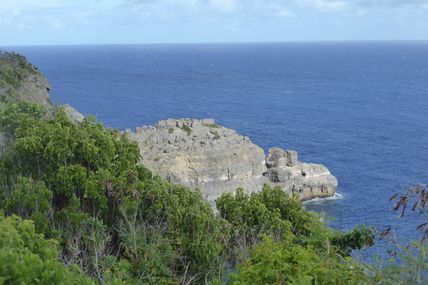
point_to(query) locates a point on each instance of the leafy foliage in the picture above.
(356, 239)
(272, 212)
(285, 244)
(287, 262)
(27, 258)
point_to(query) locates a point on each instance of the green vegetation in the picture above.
(216, 135)
(20, 80)
(77, 208)
(13, 69)
(187, 129)
(214, 126)
(28, 258)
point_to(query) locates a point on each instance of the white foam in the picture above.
(336, 196)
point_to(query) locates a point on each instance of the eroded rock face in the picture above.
(307, 180)
(201, 154)
(278, 157)
(35, 88)
(214, 159)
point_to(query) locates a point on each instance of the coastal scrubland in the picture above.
(77, 207)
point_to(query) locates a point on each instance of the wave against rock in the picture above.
(214, 159)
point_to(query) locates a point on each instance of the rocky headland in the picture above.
(206, 156)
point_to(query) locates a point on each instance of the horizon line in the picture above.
(215, 42)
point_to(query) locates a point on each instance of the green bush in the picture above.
(272, 212)
(29, 199)
(27, 258)
(286, 262)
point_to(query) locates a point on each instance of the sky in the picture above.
(59, 22)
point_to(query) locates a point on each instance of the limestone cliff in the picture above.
(201, 154)
(214, 159)
(307, 180)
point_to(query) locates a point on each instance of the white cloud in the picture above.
(328, 5)
(46, 15)
(10, 9)
(235, 8)
(223, 6)
(261, 6)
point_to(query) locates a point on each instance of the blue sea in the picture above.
(360, 108)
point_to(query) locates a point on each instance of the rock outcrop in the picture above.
(34, 88)
(73, 114)
(214, 159)
(201, 154)
(307, 180)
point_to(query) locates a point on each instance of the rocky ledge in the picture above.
(206, 156)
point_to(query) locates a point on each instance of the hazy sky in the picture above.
(28, 22)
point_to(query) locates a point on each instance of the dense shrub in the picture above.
(28, 258)
(274, 213)
(287, 262)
